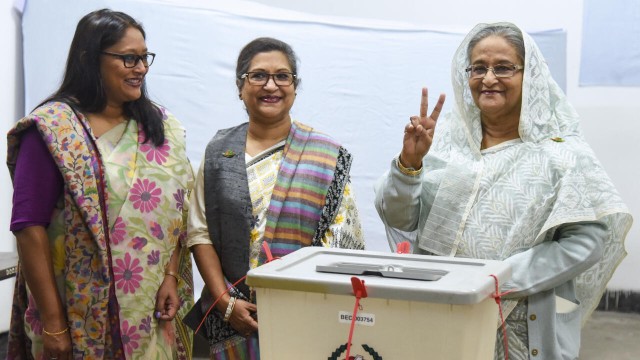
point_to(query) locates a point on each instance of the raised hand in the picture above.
(418, 134)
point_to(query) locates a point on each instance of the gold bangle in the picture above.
(172, 273)
(407, 171)
(55, 333)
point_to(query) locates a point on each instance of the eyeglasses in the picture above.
(131, 60)
(501, 71)
(261, 78)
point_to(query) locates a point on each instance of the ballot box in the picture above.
(417, 307)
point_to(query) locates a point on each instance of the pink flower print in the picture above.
(153, 258)
(156, 230)
(127, 274)
(119, 231)
(138, 242)
(158, 154)
(179, 196)
(141, 134)
(129, 337)
(164, 113)
(32, 317)
(145, 195)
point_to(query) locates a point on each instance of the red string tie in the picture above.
(359, 291)
(497, 296)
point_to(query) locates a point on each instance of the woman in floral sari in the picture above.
(271, 180)
(100, 176)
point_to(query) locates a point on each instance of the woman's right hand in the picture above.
(208, 263)
(418, 134)
(241, 317)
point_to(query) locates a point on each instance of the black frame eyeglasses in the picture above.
(261, 78)
(132, 60)
(500, 71)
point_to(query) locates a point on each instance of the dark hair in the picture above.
(82, 85)
(261, 45)
(509, 32)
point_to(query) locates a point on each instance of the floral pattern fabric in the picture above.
(106, 280)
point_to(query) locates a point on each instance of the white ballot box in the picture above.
(418, 307)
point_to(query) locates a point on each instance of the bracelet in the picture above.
(232, 304)
(172, 273)
(407, 171)
(55, 333)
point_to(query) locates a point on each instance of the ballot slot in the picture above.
(394, 271)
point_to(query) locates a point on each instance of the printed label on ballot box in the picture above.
(366, 319)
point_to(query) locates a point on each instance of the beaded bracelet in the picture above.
(55, 333)
(232, 304)
(407, 171)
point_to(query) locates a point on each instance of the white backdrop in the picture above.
(361, 78)
(610, 48)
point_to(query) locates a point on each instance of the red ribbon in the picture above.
(359, 291)
(497, 296)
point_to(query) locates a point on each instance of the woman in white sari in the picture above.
(508, 176)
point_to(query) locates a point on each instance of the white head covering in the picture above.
(551, 178)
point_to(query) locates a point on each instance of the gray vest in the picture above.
(227, 201)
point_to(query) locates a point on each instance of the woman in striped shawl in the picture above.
(270, 180)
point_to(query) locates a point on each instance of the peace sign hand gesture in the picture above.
(418, 134)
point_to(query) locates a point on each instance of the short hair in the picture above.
(82, 84)
(262, 45)
(509, 32)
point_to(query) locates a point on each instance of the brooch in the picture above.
(557, 139)
(229, 153)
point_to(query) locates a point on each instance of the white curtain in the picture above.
(610, 43)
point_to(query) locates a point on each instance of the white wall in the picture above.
(11, 105)
(610, 115)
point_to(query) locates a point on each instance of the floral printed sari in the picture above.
(108, 280)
